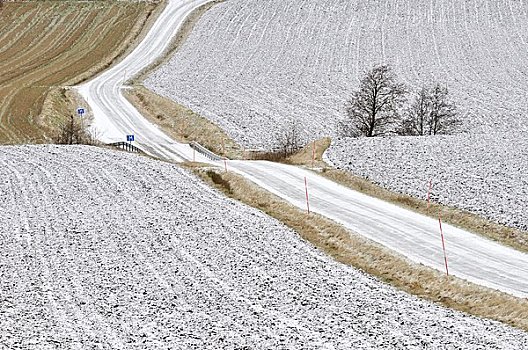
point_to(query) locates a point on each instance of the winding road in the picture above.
(471, 257)
(114, 115)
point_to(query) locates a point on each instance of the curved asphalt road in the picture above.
(470, 256)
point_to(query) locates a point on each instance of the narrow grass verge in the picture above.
(505, 235)
(184, 125)
(354, 250)
(310, 156)
(181, 123)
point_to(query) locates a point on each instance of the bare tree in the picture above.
(431, 113)
(289, 139)
(416, 119)
(72, 132)
(374, 109)
(444, 116)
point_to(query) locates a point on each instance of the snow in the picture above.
(415, 236)
(114, 116)
(103, 249)
(251, 66)
(484, 174)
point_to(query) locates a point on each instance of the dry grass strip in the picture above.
(181, 123)
(185, 125)
(505, 235)
(354, 250)
(175, 120)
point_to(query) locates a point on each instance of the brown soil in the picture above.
(46, 45)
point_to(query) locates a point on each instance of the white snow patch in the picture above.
(250, 66)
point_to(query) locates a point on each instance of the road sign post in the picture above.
(130, 139)
(80, 113)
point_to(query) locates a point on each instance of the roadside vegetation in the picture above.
(46, 46)
(74, 132)
(354, 250)
(177, 121)
(185, 126)
(181, 123)
(288, 142)
(311, 156)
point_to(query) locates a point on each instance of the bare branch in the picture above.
(374, 109)
(431, 113)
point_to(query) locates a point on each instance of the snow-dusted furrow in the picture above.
(109, 250)
(415, 236)
(252, 79)
(231, 66)
(484, 174)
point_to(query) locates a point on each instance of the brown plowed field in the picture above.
(49, 44)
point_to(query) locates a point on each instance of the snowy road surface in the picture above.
(114, 116)
(250, 66)
(415, 236)
(484, 174)
(106, 250)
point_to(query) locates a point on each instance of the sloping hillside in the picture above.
(483, 174)
(108, 250)
(47, 44)
(253, 65)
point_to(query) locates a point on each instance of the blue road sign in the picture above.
(80, 111)
(130, 138)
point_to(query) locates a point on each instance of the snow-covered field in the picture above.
(250, 65)
(484, 174)
(103, 249)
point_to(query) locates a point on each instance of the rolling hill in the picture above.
(103, 249)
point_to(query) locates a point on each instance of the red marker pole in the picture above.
(306, 190)
(443, 243)
(225, 165)
(429, 192)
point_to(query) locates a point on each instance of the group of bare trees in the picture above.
(381, 107)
